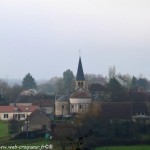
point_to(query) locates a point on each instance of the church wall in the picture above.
(80, 100)
(61, 108)
(79, 107)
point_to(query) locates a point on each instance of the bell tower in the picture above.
(80, 79)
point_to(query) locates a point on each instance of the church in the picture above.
(79, 101)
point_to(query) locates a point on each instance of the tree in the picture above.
(13, 126)
(9, 93)
(143, 83)
(28, 82)
(4, 90)
(60, 89)
(65, 84)
(126, 79)
(92, 78)
(115, 89)
(68, 78)
(46, 88)
(14, 92)
(134, 83)
(112, 72)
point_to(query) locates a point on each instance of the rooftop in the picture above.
(9, 109)
(80, 73)
(80, 94)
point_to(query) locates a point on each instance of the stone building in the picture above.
(62, 106)
(80, 101)
(77, 102)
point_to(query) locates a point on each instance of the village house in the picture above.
(30, 92)
(45, 102)
(47, 105)
(37, 120)
(16, 112)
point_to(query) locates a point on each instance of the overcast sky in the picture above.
(43, 37)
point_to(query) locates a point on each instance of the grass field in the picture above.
(137, 147)
(4, 134)
(3, 129)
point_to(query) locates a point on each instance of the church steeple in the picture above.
(80, 74)
(80, 79)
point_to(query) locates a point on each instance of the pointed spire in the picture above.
(80, 74)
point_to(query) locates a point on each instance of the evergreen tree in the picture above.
(115, 89)
(68, 78)
(28, 82)
(65, 84)
(134, 83)
(143, 84)
(60, 89)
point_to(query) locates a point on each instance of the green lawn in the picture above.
(36, 142)
(138, 147)
(4, 134)
(3, 129)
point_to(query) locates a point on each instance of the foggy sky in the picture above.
(43, 37)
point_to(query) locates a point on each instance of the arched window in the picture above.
(79, 84)
(80, 106)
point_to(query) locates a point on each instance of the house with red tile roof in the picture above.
(16, 112)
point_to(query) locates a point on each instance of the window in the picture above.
(5, 116)
(15, 116)
(72, 106)
(80, 106)
(22, 115)
(78, 83)
(44, 127)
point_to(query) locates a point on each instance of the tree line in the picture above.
(117, 86)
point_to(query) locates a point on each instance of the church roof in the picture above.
(81, 94)
(80, 74)
(63, 98)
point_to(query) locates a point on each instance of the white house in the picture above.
(16, 112)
